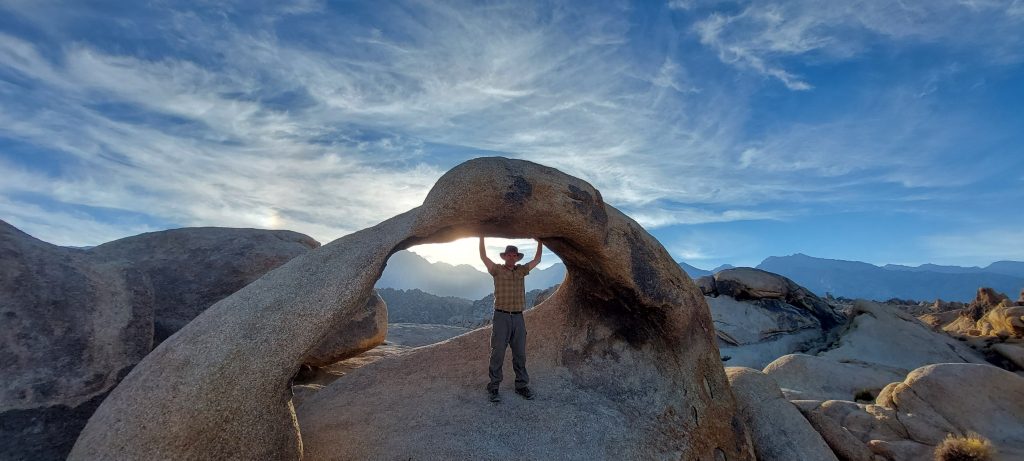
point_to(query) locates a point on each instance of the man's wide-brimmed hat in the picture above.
(512, 250)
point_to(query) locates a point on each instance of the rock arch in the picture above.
(626, 327)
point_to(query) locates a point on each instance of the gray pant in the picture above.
(508, 329)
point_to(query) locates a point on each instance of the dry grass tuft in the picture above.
(971, 447)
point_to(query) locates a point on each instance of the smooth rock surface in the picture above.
(885, 336)
(71, 328)
(759, 355)
(365, 329)
(911, 417)
(844, 444)
(707, 285)
(742, 283)
(627, 336)
(1014, 352)
(750, 283)
(807, 377)
(994, 408)
(778, 430)
(938, 320)
(752, 332)
(748, 322)
(192, 268)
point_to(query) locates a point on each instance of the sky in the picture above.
(873, 130)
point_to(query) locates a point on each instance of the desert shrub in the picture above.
(971, 447)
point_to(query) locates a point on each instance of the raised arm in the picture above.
(483, 257)
(536, 259)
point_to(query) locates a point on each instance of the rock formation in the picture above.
(883, 335)
(986, 299)
(623, 355)
(71, 328)
(1003, 320)
(760, 316)
(1013, 352)
(879, 345)
(192, 268)
(809, 377)
(989, 314)
(911, 417)
(938, 320)
(82, 318)
(707, 285)
(778, 430)
(365, 329)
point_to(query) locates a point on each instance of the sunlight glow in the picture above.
(465, 251)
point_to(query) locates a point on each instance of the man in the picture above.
(508, 327)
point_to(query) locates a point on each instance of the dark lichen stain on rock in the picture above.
(519, 191)
(586, 204)
(739, 432)
(644, 275)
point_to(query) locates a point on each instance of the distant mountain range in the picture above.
(416, 306)
(852, 279)
(407, 270)
(694, 272)
(1012, 268)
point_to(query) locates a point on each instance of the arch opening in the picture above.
(627, 332)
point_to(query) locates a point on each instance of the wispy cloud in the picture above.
(762, 36)
(297, 115)
(194, 145)
(992, 244)
(660, 217)
(224, 161)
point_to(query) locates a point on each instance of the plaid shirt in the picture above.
(509, 289)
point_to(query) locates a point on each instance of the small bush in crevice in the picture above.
(971, 447)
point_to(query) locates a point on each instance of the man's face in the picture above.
(508, 258)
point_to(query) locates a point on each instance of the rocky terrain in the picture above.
(907, 420)
(416, 306)
(407, 270)
(879, 385)
(623, 352)
(991, 324)
(72, 327)
(77, 320)
(189, 269)
(298, 356)
(760, 316)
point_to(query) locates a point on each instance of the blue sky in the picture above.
(888, 132)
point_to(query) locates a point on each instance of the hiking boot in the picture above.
(494, 395)
(525, 392)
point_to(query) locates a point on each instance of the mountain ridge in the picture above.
(857, 279)
(838, 277)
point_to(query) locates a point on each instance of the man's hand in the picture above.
(536, 259)
(483, 257)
